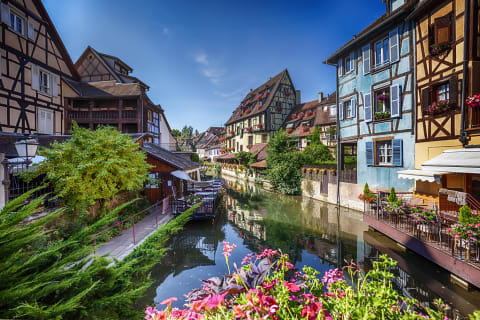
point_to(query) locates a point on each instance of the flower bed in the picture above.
(437, 107)
(268, 286)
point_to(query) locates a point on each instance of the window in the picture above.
(44, 82)
(347, 64)
(442, 30)
(154, 180)
(382, 101)
(442, 92)
(381, 53)
(384, 153)
(250, 140)
(45, 121)
(333, 111)
(17, 23)
(347, 105)
(264, 138)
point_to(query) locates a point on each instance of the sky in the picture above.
(200, 58)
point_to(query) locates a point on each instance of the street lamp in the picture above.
(26, 147)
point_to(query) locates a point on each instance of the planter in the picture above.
(382, 115)
(436, 50)
(473, 101)
(438, 108)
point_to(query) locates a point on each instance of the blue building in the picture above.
(376, 88)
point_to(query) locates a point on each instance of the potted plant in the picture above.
(436, 49)
(323, 171)
(437, 107)
(231, 132)
(382, 115)
(333, 172)
(248, 129)
(367, 195)
(473, 101)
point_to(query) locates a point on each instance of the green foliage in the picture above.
(366, 188)
(465, 215)
(52, 281)
(245, 158)
(392, 197)
(175, 133)
(316, 154)
(92, 165)
(187, 131)
(284, 164)
(195, 157)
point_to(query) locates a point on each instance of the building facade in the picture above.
(108, 95)
(261, 113)
(376, 97)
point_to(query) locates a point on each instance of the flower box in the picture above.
(259, 126)
(383, 97)
(436, 50)
(265, 94)
(231, 132)
(248, 129)
(473, 101)
(382, 115)
(333, 172)
(308, 114)
(248, 111)
(437, 107)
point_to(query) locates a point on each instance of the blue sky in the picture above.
(201, 57)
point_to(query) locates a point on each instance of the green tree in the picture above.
(195, 157)
(392, 197)
(176, 133)
(46, 277)
(245, 158)
(187, 131)
(284, 164)
(316, 152)
(92, 166)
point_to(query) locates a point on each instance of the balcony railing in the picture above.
(103, 115)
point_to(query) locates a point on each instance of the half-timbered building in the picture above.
(34, 63)
(261, 113)
(109, 95)
(447, 72)
(376, 95)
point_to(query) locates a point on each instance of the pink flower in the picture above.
(227, 248)
(292, 287)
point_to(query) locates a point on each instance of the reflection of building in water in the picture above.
(246, 219)
(407, 273)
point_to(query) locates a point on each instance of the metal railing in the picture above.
(165, 204)
(436, 233)
(317, 174)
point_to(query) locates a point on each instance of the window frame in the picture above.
(383, 63)
(435, 91)
(345, 114)
(347, 61)
(17, 16)
(384, 91)
(41, 87)
(436, 28)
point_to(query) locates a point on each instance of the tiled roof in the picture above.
(330, 99)
(105, 88)
(226, 156)
(259, 164)
(171, 158)
(266, 92)
(7, 141)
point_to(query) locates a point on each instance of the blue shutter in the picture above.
(367, 107)
(340, 67)
(354, 107)
(352, 61)
(369, 153)
(397, 152)
(340, 110)
(366, 59)
(395, 98)
(394, 45)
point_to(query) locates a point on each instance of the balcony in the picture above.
(102, 115)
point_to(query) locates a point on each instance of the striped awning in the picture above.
(422, 175)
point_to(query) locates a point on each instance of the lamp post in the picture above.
(26, 148)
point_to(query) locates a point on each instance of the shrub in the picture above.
(392, 197)
(465, 216)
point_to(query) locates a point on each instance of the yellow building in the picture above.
(447, 59)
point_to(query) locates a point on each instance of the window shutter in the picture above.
(340, 110)
(367, 107)
(425, 98)
(369, 153)
(35, 78)
(394, 46)
(352, 61)
(5, 14)
(340, 67)
(354, 107)
(49, 122)
(30, 30)
(41, 120)
(54, 84)
(397, 152)
(453, 84)
(366, 59)
(395, 100)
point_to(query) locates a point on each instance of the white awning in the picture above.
(182, 175)
(422, 175)
(455, 161)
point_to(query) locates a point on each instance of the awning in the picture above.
(182, 175)
(455, 161)
(422, 175)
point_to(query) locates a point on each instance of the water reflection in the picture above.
(311, 232)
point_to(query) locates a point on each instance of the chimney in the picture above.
(320, 96)
(298, 97)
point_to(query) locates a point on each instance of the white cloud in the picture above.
(230, 96)
(211, 71)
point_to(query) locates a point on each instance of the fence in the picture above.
(436, 233)
(318, 174)
(165, 205)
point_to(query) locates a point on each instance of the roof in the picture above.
(330, 99)
(378, 25)
(422, 7)
(54, 34)
(266, 91)
(259, 164)
(169, 157)
(259, 149)
(323, 117)
(455, 161)
(226, 156)
(109, 88)
(104, 59)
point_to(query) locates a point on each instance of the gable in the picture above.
(91, 67)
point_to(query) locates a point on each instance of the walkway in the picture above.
(122, 245)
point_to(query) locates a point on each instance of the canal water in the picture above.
(313, 233)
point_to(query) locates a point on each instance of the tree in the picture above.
(45, 277)
(176, 133)
(196, 132)
(194, 157)
(245, 158)
(92, 166)
(316, 152)
(284, 164)
(187, 131)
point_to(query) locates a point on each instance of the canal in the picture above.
(313, 233)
